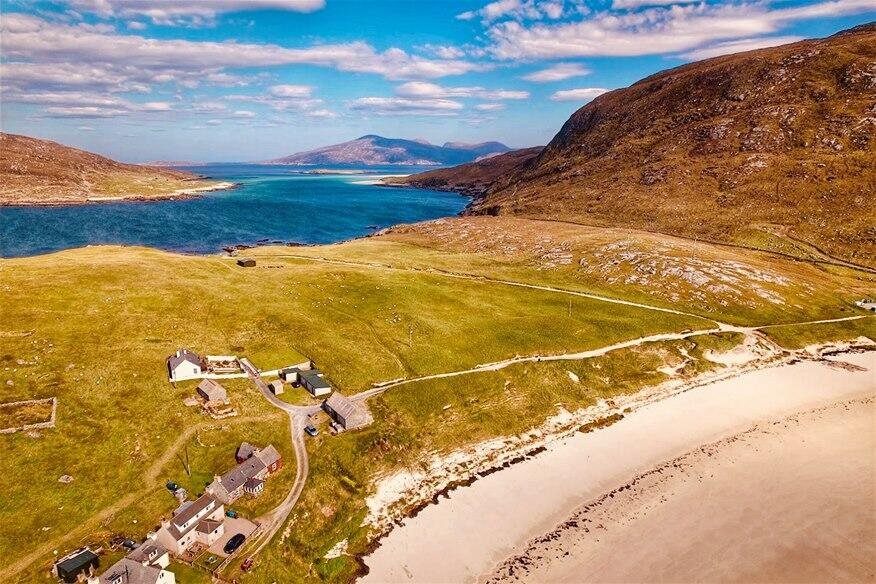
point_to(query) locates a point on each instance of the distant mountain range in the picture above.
(377, 150)
(772, 148)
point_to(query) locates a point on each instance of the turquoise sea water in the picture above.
(272, 204)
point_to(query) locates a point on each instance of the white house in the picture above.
(201, 520)
(185, 365)
(144, 565)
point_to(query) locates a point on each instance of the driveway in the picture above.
(232, 527)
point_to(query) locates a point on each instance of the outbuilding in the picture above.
(246, 263)
(290, 374)
(82, 561)
(276, 387)
(344, 411)
(314, 382)
(212, 392)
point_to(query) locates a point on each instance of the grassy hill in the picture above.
(41, 172)
(770, 149)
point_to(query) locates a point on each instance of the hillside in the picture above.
(473, 178)
(41, 172)
(377, 150)
(770, 148)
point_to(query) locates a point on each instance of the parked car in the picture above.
(231, 513)
(311, 430)
(246, 566)
(235, 542)
(129, 544)
(171, 486)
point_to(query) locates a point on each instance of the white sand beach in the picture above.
(764, 470)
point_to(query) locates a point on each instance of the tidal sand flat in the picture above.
(487, 530)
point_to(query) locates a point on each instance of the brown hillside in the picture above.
(34, 172)
(473, 178)
(771, 148)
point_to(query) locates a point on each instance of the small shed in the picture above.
(314, 382)
(212, 392)
(82, 561)
(244, 451)
(276, 387)
(344, 411)
(290, 374)
(246, 262)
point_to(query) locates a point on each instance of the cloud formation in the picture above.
(738, 46)
(581, 94)
(558, 72)
(421, 89)
(405, 106)
(187, 12)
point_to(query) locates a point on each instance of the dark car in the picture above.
(235, 542)
(311, 430)
(171, 486)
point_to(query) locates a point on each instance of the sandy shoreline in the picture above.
(179, 194)
(466, 536)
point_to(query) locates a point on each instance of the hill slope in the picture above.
(771, 148)
(375, 150)
(41, 172)
(473, 178)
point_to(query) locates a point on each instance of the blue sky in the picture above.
(222, 80)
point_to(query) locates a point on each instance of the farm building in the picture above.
(290, 374)
(254, 487)
(212, 392)
(184, 364)
(276, 387)
(867, 304)
(244, 452)
(198, 521)
(80, 562)
(345, 412)
(314, 382)
(260, 464)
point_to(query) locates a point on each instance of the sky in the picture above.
(244, 80)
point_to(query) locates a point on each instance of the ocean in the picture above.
(273, 204)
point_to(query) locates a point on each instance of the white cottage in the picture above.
(185, 364)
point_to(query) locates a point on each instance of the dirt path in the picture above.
(149, 483)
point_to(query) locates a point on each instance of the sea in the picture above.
(272, 204)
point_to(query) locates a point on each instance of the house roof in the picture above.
(147, 552)
(128, 571)
(213, 390)
(238, 475)
(208, 525)
(353, 413)
(186, 513)
(286, 370)
(268, 455)
(252, 484)
(182, 356)
(244, 451)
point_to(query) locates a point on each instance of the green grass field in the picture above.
(93, 327)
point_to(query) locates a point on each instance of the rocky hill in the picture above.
(474, 178)
(41, 172)
(771, 148)
(377, 150)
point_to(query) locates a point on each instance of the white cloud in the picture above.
(85, 128)
(188, 12)
(296, 91)
(445, 51)
(243, 114)
(632, 4)
(136, 25)
(558, 72)
(581, 94)
(729, 47)
(405, 106)
(656, 30)
(422, 89)
(519, 10)
(489, 107)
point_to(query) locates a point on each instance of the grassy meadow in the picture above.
(93, 327)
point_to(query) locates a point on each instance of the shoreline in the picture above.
(412, 530)
(177, 195)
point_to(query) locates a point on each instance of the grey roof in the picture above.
(314, 379)
(214, 391)
(77, 560)
(244, 451)
(268, 455)
(208, 525)
(252, 484)
(185, 513)
(354, 415)
(238, 475)
(148, 551)
(182, 356)
(286, 370)
(127, 571)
